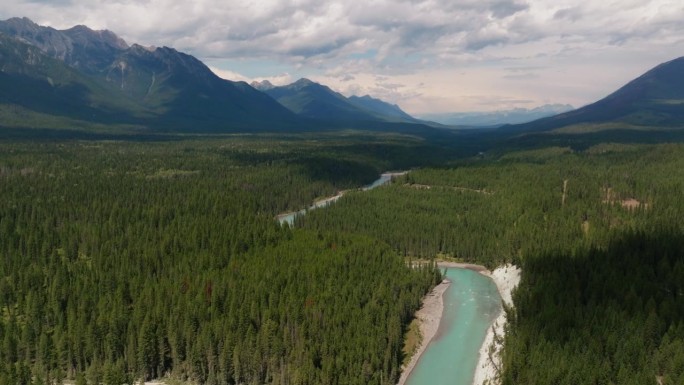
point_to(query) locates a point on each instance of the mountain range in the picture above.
(653, 100)
(83, 76)
(79, 78)
(316, 101)
(497, 118)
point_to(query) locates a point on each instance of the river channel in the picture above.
(289, 218)
(471, 304)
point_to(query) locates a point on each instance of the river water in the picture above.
(290, 217)
(471, 303)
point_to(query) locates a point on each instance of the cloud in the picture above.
(503, 9)
(572, 14)
(283, 29)
(229, 75)
(278, 80)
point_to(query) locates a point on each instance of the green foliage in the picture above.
(599, 237)
(601, 316)
(503, 210)
(124, 261)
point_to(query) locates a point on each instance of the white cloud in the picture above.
(229, 75)
(437, 54)
(278, 80)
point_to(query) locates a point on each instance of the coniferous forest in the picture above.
(129, 261)
(597, 232)
(124, 261)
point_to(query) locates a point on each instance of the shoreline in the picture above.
(506, 278)
(429, 315)
(470, 266)
(394, 173)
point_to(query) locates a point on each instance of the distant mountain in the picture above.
(95, 76)
(263, 85)
(34, 84)
(316, 101)
(655, 99)
(381, 108)
(497, 118)
(79, 47)
(312, 100)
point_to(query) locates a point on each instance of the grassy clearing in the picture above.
(412, 340)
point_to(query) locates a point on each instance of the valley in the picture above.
(157, 225)
(148, 194)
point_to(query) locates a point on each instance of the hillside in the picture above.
(96, 77)
(653, 100)
(316, 101)
(381, 108)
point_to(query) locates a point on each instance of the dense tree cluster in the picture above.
(122, 261)
(128, 261)
(611, 315)
(494, 210)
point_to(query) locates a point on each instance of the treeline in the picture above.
(129, 261)
(603, 316)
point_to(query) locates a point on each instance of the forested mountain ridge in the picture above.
(78, 47)
(119, 87)
(654, 99)
(381, 108)
(316, 101)
(33, 81)
(122, 84)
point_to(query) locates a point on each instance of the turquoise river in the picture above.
(471, 303)
(289, 218)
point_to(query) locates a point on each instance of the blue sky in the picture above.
(425, 55)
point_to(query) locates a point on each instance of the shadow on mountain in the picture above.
(58, 134)
(72, 100)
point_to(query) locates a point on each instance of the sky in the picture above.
(427, 56)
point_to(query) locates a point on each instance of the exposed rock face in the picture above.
(48, 40)
(263, 85)
(98, 70)
(108, 57)
(79, 47)
(93, 50)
